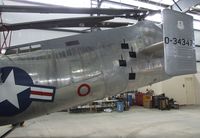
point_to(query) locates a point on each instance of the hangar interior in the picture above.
(189, 94)
(184, 89)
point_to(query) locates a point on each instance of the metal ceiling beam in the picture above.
(195, 10)
(136, 7)
(185, 5)
(119, 3)
(32, 3)
(155, 3)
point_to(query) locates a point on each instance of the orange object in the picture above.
(147, 98)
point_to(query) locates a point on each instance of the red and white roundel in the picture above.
(83, 90)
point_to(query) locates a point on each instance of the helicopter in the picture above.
(47, 76)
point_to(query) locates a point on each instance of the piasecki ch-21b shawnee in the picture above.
(74, 70)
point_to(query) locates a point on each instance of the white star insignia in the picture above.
(9, 90)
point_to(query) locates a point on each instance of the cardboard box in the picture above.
(147, 98)
(147, 104)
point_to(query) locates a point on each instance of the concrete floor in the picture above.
(135, 123)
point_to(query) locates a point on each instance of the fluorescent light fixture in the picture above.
(156, 17)
(140, 4)
(68, 3)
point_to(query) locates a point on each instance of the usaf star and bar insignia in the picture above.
(18, 91)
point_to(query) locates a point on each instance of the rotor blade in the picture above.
(66, 22)
(61, 9)
(102, 24)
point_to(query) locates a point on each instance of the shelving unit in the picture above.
(94, 107)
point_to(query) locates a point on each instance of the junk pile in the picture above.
(149, 100)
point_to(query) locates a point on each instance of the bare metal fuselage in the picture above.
(93, 59)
